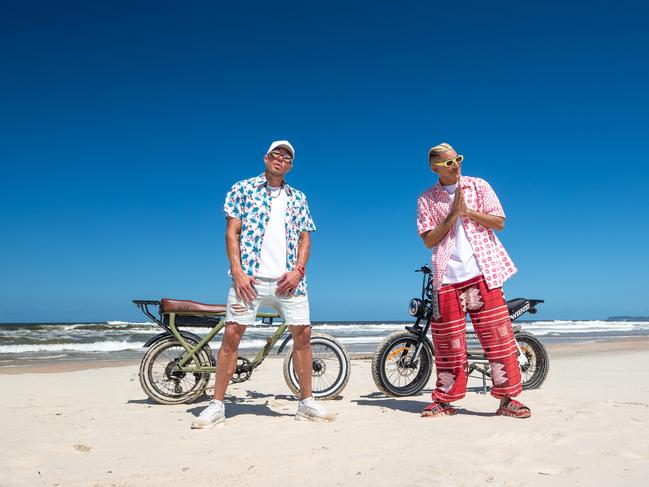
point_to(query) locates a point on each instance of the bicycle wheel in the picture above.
(330, 371)
(393, 371)
(534, 373)
(167, 386)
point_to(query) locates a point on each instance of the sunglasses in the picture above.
(456, 160)
(284, 157)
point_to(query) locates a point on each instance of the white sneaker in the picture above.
(311, 410)
(212, 415)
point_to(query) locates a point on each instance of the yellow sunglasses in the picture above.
(456, 160)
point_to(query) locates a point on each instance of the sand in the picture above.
(84, 426)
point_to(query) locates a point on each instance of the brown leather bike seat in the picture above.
(183, 306)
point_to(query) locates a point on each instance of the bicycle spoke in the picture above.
(398, 369)
(166, 378)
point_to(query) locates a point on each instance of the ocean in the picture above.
(118, 340)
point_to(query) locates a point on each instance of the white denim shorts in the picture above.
(294, 309)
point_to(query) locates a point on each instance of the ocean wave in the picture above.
(111, 325)
(48, 357)
(360, 326)
(97, 347)
(365, 339)
(55, 337)
(565, 327)
(71, 347)
(128, 337)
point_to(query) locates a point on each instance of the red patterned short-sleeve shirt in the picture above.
(434, 206)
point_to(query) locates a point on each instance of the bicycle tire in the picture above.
(386, 356)
(328, 355)
(534, 374)
(160, 386)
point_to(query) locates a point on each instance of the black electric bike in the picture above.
(403, 362)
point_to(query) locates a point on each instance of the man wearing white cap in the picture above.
(268, 243)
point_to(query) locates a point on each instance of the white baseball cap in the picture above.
(281, 143)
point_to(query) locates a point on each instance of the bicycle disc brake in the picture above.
(243, 371)
(318, 367)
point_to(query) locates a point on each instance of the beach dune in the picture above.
(95, 427)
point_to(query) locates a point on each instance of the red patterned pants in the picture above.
(491, 322)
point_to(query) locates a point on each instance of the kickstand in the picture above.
(483, 373)
(484, 383)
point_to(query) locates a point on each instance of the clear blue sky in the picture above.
(122, 125)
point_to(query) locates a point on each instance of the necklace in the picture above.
(270, 193)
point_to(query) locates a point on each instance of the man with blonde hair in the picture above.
(458, 216)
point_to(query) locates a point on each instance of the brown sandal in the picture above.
(438, 409)
(514, 409)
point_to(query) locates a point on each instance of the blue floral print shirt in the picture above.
(249, 201)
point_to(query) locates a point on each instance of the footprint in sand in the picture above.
(635, 452)
(278, 405)
(83, 448)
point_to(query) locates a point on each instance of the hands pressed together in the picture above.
(460, 207)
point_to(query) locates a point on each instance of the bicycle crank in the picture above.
(243, 371)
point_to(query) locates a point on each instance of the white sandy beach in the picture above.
(95, 427)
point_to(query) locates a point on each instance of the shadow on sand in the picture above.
(378, 399)
(238, 405)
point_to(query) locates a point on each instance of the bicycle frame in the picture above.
(171, 321)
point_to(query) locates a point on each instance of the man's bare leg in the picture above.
(302, 358)
(226, 362)
(214, 413)
(308, 408)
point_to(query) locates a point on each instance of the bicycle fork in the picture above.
(522, 358)
(420, 332)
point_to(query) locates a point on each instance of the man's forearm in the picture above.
(303, 249)
(234, 252)
(434, 236)
(489, 221)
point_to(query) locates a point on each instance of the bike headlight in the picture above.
(416, 307)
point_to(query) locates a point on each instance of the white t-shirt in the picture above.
(272, 261)
(462, 265)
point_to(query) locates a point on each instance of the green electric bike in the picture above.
(177, 365)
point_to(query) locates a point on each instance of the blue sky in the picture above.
(123, 125)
